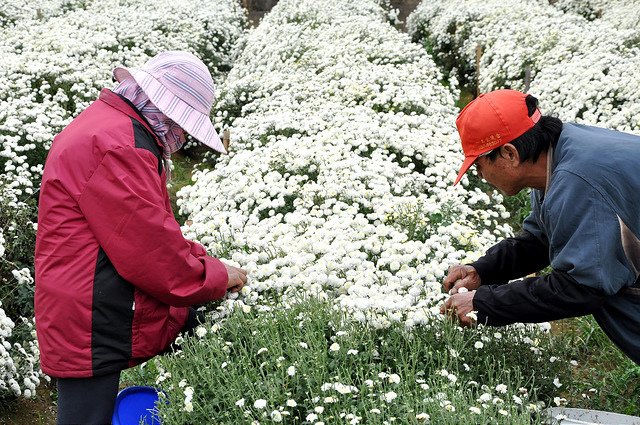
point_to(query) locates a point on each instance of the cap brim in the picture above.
(468, 162)
(197, 124)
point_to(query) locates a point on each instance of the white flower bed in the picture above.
(13, 11)
(52, 69)
(343, 142)
(514, 34)
(19, 364)
(581, 70)
(598, 88)
(56, 56)
(623, 14)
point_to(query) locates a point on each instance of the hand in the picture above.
(460, 276)
(237, 278)
(459, 306)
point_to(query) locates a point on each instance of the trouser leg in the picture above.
(87, 401)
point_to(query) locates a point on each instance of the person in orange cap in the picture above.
(583, 223)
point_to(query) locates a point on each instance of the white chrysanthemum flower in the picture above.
(484, 398)
(201, 331)
(276, 416)
(390, 396)
(423, 417)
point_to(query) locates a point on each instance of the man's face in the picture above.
(502, 173)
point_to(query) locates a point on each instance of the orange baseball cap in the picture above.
(492, 120)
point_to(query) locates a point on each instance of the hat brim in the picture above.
(468, 162)
(195, 123)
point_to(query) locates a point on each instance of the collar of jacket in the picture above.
(116, 102)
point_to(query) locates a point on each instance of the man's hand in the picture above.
(237, 278)
(460, 305)
(460, 276)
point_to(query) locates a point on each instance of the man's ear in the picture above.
(510, 153)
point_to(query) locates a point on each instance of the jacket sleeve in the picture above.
(533, 300)
(124, 205)
(512, 258)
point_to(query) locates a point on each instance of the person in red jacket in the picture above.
(115, 277)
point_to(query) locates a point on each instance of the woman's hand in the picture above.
(237, 278)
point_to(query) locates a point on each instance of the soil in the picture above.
(405, 7)
(38, 411)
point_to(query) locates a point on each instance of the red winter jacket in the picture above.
(114, 274)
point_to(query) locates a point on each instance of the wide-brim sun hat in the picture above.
(181, 87)
(491, 120)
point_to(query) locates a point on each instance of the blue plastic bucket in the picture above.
(134, 405)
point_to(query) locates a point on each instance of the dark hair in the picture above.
(536, 140)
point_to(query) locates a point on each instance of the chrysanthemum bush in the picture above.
(338, 183)
(13, 11)
(581, 70)
(308, 363)
(19, 358)
(53, 68)
(19, 362)
(17, 236)
(57, 55)
(620, 13)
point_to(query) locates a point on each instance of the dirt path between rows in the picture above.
(258, 8)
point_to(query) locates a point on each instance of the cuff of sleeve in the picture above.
(483, 268)
(216, 273)
(490, 314)
(480, 300)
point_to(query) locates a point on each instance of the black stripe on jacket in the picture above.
(112, 318)
(113, 297)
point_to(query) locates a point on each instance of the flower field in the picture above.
(351, 198)
(581, 70)
(56, 56)
(336, 197)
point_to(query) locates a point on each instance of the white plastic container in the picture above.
(566, 416)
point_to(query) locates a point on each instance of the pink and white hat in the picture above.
(180, 85)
